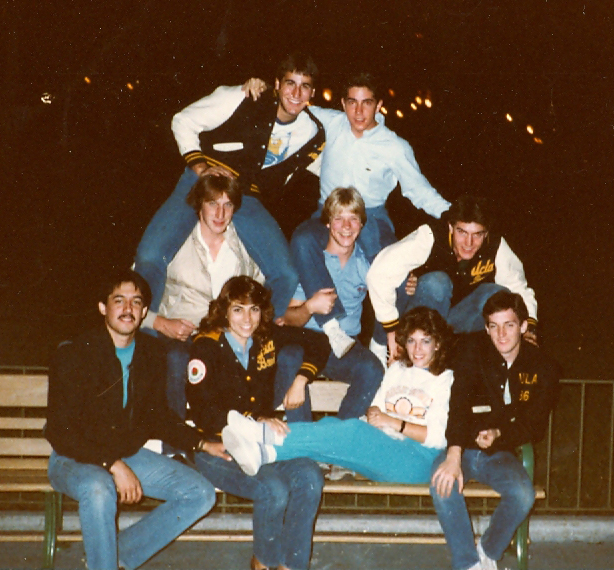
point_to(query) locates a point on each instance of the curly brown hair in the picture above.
(241, 289)
(431, 323)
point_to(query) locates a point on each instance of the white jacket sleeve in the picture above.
(205, 114)
(509, 272)
(391, 267)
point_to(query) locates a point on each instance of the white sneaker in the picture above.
(476, 566)
(485, 562)
(248, 454)
(381, 351)
(258, 432)
(340, 342)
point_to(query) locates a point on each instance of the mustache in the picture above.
(129, 315)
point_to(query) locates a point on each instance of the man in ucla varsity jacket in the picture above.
(262, 143)
(106, 399)
(452, 266)
(504, 389)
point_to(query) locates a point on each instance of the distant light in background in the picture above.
(414, 106)
(419, 35)
(428, 103)
(509, 117)
(400, 113)
(130, 86)
(419, 100)
(87, 80)
(391, 92)
(538, 140)
(47, 98)
(529, 129)
(327, 94)
(384, 111)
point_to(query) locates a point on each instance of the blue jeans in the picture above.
(164, 236)
(505, 474)
(309, 241)
(434, 290)
(188, 497)
(267, 246)
(360, 447)
(286, 497)
(177, 358)
(359, 368)
(259, 232)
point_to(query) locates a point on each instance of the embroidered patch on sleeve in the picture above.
(196, 371)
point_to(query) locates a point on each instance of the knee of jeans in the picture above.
(274, 492)
(310, 234)
(312, 479)
(523, 495)
(437, 284)
(100, 495)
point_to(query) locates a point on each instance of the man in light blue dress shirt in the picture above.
(361, 152)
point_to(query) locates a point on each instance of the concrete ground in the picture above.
(326, 556)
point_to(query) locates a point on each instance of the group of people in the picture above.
(245, 321)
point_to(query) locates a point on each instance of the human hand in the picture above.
(216, 449)
(276, 425)
(202, 168)
(126, 482)
(179, 329)
(295, 396)
(448, 472)
(379, 419)
(487, 437)
(393, 347)
(531, 336)
(322, 301)
(411, 284)
(253, 87)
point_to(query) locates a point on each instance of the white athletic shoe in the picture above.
(258, 432)
(485, 562)
(247, 453)
(340, 342)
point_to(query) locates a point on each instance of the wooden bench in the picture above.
(24, 454)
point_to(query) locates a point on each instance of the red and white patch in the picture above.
(196, 371)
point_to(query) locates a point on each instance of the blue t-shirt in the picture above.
(125, 357)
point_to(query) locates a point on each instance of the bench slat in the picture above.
(36, 447)
(28, 391)
(22, 423)
(27, 463)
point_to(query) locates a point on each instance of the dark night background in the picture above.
(82, 176)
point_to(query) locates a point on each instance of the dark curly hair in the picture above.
(241, 289)
(432, 323)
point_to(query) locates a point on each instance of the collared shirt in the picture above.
(350, 285)
(373, 164)
(222, 268)
(241, 354)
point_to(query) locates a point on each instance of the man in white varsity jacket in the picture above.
(452, 266)
(261, 143)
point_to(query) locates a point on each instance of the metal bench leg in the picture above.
(53, 523)
(522, 545)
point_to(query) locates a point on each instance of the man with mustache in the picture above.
(106, 399)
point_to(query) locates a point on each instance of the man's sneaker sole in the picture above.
(246, 453)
